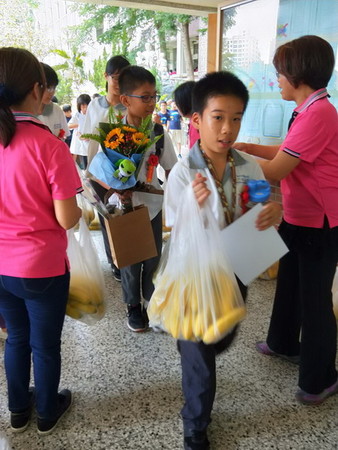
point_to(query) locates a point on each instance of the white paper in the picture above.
(249, 250)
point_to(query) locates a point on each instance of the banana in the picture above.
(72, 312)
(176, 305)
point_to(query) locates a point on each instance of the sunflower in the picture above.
(130, 129)
(114, 138)
(140, 139)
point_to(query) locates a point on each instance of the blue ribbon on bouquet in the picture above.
(104, 164)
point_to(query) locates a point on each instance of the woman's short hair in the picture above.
(52, 79)
(115, 64)
(307, 60)
(83, 99)
(183, 97)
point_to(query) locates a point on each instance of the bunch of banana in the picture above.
(85, 297)
(179, 307)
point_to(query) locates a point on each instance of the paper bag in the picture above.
(131, 237)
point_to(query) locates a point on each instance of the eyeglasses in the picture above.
(114, 77)
(146, 98)
(51, 89)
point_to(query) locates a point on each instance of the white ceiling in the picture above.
(192, 7)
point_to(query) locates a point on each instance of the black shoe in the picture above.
(197, 441)
(20, 420)
(116, 273)
(136, 320)
(65, 401)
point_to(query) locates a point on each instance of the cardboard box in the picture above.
(131, 237)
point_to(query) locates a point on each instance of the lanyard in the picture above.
(229, 212)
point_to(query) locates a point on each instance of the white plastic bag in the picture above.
(196, 295)
(86, 292)
(4, 445)
(335, 294)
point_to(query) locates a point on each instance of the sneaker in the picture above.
(65, 401)
(263, 348)
(316, 399)
(117, 274)
(20, 420)
(197, 441)
(136, 320)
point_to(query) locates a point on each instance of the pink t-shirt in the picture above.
(310, 191)
(34, 169)
(194, 135)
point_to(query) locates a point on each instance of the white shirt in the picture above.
(78, 146)
(55, 119)
(185, 171)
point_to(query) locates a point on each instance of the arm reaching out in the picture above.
(269, 216)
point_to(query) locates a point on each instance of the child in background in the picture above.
(183, 100)
(138, 95)
(77, 147)
(98, 112)
(67, 111)
(52, 115)
(219, 101)
(164, 114)
(175, 129)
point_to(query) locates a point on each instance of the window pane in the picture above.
(250, 34)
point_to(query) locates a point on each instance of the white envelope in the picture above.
(249, 250)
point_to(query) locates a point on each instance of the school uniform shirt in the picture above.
(97, 112)
(78, 146)
(35, 169)
(310, 191)
(55, 119)
(185, 171)
(175, 120)
(167, 161)
(164, 118)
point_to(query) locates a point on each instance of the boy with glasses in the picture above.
(139, 96)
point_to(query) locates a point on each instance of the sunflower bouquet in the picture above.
(123, 149)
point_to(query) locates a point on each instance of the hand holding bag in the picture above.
(196, 295)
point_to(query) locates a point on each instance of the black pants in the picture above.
(302, 321)
(198, 362)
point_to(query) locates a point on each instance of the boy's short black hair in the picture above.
(52, 79)
(183, 97)
(83, 99)
(216, 84)
(66, 108)
(115, 64)
(132, 77)
(308, 59)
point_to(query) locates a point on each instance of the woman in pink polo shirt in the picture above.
(303, 328)
(38, 186)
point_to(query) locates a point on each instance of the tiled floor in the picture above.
(127, 391)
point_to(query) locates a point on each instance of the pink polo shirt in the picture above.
(310, 191)
(34, 169)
